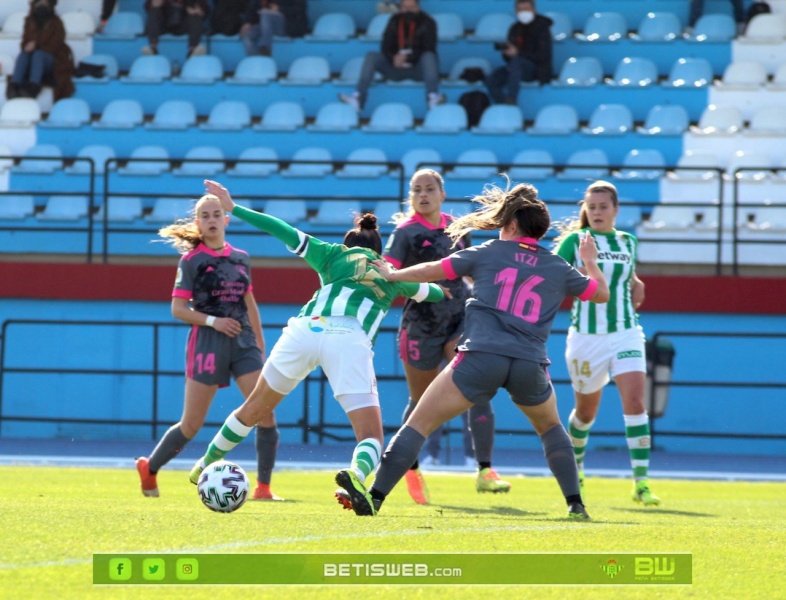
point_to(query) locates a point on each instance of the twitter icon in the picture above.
(153, 569)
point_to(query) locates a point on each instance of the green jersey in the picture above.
(349, 283)
(617, 259)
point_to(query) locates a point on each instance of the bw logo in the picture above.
(654, 566)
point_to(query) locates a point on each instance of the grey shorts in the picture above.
(421, 350)
(479, 375)
(212, 357)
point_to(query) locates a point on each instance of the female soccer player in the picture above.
(518, 288)
(429, 332)
(213, 294)
(608, 339)
(335, 330)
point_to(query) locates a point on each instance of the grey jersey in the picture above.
(518, 289)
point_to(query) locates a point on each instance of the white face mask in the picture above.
(525, 17)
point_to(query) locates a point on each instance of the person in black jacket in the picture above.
(409, 51)
(527, 55)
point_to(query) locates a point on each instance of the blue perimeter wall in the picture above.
(693, 408)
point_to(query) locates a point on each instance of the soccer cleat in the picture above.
(429, 461)
(359, 498)
(577, 511)
(489, 481)
(416, 485)
(196, 471)
(149, 484)
(262, 492)
(642, 493)
(435, 99)
(343, 498)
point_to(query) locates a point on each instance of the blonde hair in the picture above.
(403, 216)
(184, 234)
(500, 208)
(582, 221)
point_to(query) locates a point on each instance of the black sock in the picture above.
(573, 498)
(377, 495)
(484, 465)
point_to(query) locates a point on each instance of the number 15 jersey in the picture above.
(518, 289)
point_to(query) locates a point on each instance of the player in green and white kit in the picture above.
(335, 330)
(607, 338)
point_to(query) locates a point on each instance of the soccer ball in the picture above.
(223, 486)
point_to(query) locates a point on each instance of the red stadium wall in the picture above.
(287, 285)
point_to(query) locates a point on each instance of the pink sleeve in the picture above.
(178, 293)
(449, 272)
(396, 263)
(590, 291)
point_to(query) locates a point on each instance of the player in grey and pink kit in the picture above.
(518, 289)
(213, 294)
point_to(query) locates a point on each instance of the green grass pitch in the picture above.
(53, 520)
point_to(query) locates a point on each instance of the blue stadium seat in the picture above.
(376, 27)
(153, 68)
(385, 210)
(610, 119)
(282, 116)
(531, 164)
(665, 119)
(70, 113)
(743, 75)
(228, 115)
(174, 115)
(562, 26)
(492, 27)
(255, 70)
(604, 26)
(719, 119)
(16, 207)
(500, 119)
(333, 26)
(390, 117)
(99, 154)
(644, 164)
(64, 208)
(203, 69)
(444, 118)
(690, 73)
(307, 70)
(334, 116)
(78, 24)
(475, 163)
(658, 27)
(146, 160)
(450, 26)
(291, 211)
(20, 112)
(418, 158)
(201, 161)
(581, 71)
(635, 72)
(123, 25)
(121, 209)
(715, 27)
(555, 119)
(124, 113)
(586, 165)
(41, 158)
(352, 168)
(350, 71)
(336, 212)
(317, 162)
(169, 210)
(256, 169)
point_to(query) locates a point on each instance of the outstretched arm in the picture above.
(274, 226)
(430, 271)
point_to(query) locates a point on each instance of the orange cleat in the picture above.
(262, 492)
(149, 485)
(417, 487)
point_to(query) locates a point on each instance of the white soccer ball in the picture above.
(223, 486)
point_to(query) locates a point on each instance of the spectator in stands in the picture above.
(265, 19)
(227, 16)
(697, 9)
(409, 51)
(527, 54)
(107, 8)
(45, 58)
(178, 17)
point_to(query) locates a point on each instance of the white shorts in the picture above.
(591, 357)
(337, 344)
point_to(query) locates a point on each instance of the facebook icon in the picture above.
(119, 569)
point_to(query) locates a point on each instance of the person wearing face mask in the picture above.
(527, 54)
(409, 51)
(45, 57)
